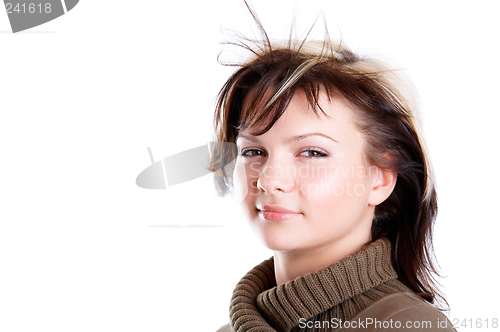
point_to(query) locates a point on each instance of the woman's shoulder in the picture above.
(401, 311)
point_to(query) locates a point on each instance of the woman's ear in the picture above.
(383, 185)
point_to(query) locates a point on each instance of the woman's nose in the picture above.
(276, 178)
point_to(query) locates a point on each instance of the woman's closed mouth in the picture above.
(276, 212)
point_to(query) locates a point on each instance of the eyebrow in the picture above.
(288, 140)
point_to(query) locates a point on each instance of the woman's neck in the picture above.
(289, 265)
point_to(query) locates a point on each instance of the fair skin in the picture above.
(306, 189)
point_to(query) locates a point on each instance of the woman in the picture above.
(333, 176)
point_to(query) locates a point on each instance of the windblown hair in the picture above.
(258, 93)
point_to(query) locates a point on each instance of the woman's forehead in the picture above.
(325, 107)
(298, 119)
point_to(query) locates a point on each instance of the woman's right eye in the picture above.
(251, 153)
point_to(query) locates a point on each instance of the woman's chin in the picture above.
(278, 241)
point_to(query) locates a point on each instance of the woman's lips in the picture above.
(276, 213)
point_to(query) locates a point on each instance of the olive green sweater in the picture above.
(340, 291)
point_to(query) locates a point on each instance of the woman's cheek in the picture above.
(246, 174)
(240, 181)
(319, 183)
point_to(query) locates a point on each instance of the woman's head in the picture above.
(285, 92)
(305, 184)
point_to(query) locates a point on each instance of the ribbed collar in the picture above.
(258, 304)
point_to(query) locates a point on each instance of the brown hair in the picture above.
(383, 112)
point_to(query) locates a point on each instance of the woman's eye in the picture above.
(251, 153)
(313, 153)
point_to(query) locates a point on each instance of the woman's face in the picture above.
(305, 183)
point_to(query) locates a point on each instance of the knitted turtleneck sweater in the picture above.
(341, 290)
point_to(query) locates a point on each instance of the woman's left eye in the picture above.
(313, 153)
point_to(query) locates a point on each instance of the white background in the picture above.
(82, 248)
